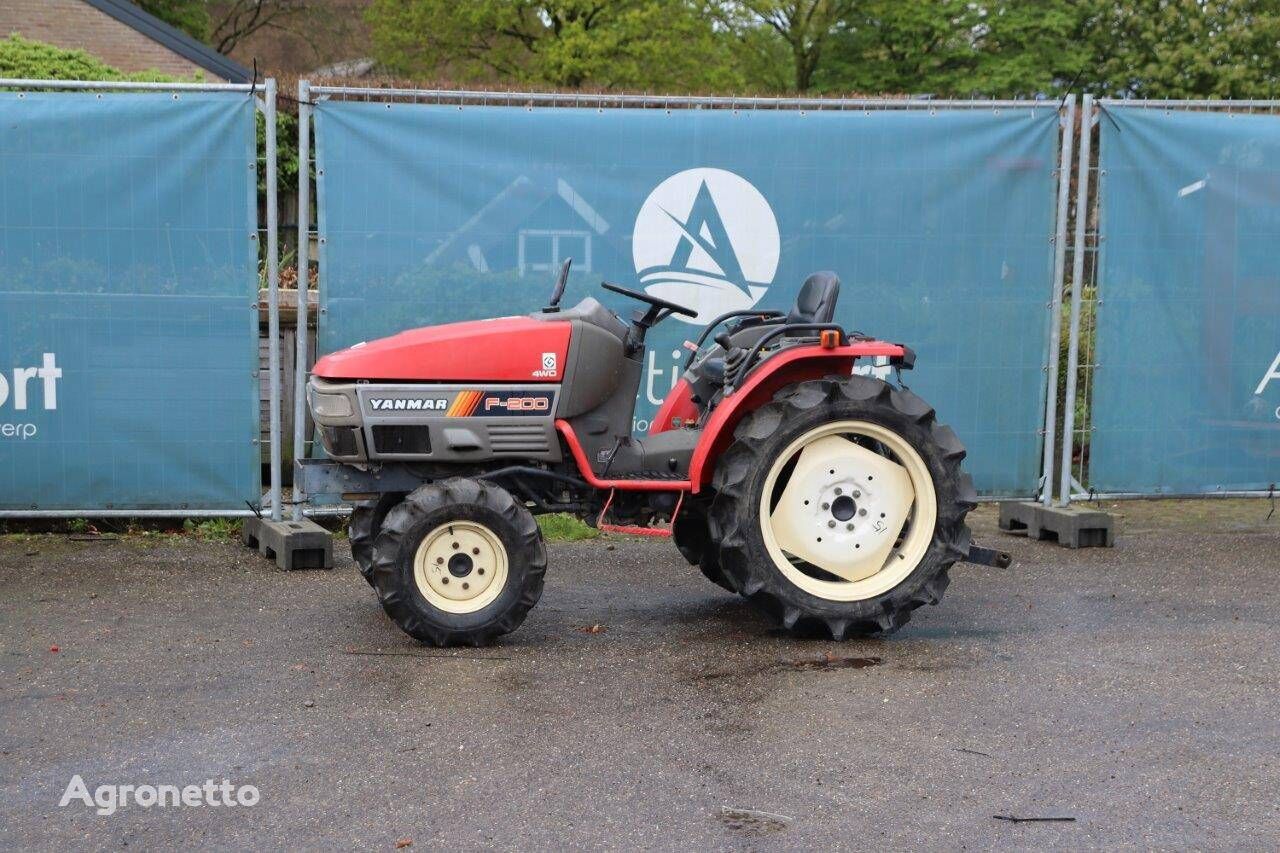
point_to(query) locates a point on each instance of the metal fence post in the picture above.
(273, 296)
(1055, 312)
(1077, 287)
(304, 282)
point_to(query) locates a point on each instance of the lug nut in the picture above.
(439, 560)
(849, 526)
(444, 580)
(479, 571)
(475, 551)
(466, 586)
(838, 492)
(862, 512)
(455, 546)
(831, 523)
(826, 506)
(857, 493)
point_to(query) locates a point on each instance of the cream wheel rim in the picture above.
(853, 500)
(460, 567)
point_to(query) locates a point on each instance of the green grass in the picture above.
(559, 527)
(212, 529)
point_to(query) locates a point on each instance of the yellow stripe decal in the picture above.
(464, 404)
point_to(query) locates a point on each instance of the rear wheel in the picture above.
(840, 506)
(459, 561)
(693, 541)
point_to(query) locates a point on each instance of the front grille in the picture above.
(340, 441)
(402, 439)
(518, 438)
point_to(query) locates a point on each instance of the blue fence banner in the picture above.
(128, 272)
(937, 221)
(1187, 396)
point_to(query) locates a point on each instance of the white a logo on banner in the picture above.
(706, 239)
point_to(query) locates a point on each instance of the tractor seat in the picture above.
(816, 303)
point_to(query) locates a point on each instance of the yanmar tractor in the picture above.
(834, 501)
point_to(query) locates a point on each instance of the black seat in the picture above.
(816, 302)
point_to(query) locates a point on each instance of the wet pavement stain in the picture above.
(827, 661)
(830, 661)
(752, 823)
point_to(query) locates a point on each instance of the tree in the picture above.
(957, 48)
(802, 28)
(235, 20)
(190, 16)
(1185, 48)
(636, 44)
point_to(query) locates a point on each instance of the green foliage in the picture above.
(212, 529)
(559, 527)
(286, 153)
(1185, 48)
(949, 48)
(627, 44)
(786, 38)
(190, 16)
(24, 59)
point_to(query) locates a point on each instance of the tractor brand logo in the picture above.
(549, 366)
(706, 239)
(406, 404)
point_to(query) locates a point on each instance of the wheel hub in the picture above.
(460, 567)
(861, 512)
(843, 508)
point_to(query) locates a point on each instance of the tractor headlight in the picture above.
(330, 405)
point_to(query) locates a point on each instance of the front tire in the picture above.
(459, 562)
(805, 531)
(362, 530)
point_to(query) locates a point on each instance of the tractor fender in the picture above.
(678, 405)
(795, 364)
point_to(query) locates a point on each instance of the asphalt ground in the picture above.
(1132, 690)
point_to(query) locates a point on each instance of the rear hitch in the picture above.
(989, 557)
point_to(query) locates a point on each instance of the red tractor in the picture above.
(834, 501)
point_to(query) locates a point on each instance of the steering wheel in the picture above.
(652, 300)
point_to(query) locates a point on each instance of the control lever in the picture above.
(725, 342)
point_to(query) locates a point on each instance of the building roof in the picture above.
(175, 40)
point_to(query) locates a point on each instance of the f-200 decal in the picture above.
(504, 403)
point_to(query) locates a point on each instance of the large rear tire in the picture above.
(808, 534)
(693, 541)
(459, 562)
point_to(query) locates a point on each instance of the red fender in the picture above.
(678, 404)
(792, 365)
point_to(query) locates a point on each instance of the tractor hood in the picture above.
(506, 349)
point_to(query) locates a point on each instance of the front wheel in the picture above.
(362, 530)
(840, 506)
(459, 561)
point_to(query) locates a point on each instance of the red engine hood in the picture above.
(507, 349)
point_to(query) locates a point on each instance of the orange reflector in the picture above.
(830, 339)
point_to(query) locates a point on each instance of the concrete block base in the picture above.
(292, 544)
(1070, 526)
